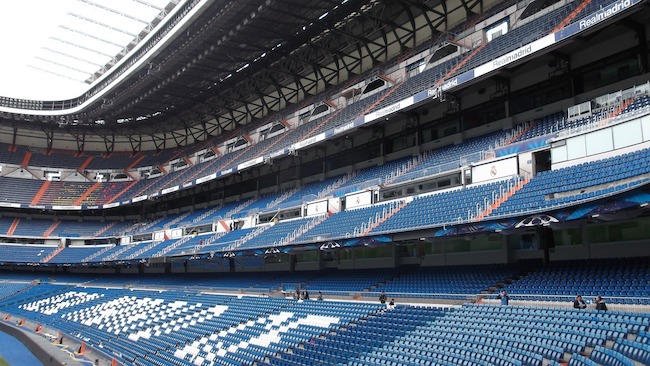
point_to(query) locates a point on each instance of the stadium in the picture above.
(241, 182)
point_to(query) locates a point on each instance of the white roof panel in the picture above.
(54, 47)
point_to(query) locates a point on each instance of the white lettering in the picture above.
(513, 56)
(604, 14)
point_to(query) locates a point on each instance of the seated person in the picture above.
(579, 303)
(600, 304)
(503, 295)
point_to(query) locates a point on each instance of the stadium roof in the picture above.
(54, 50)
(220, 65)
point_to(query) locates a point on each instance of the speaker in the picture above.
(545, 237)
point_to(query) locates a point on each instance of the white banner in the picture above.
(358, 199)
(317, 208)
(515, 55)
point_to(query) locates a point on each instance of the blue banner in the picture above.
(594, 18)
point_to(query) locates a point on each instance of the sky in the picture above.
(25, 27)
(40, 35)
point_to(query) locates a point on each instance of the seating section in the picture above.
(28, 189)
(548, 190)
(636, 351)
(278, 234)
(456, 282)
(56, 159)
(103, 193)
(184, 327)
(580, 360)
(5, 224)
(354, 344)
(80, 229)
(10, 154)
(115, 228)
(19, 253)
(75, 254)
(468, 203)
(625, 280)
(448, 158)
(64, 193)
(310, 192)
(346, 282)
(525, 32)
(608, 357)
(181, 327)
(447, 207)
(348, 223)
(64, 228)
(619, 281)
(561, 187)
(33, 227)
(8, 289)
(116, 160)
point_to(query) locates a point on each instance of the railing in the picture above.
(172, 246)
(147, 247)
(627, 303)
(619, 96)
(177, 219)
(598, 118)
(147, 226)
(208, 241)
(339, 182)
(421, 173)
(117, 253)
(615, 303)
(238, 208)
(282, 197)
(206, 214)
(289, 238)
(515, 131)
(358, 187)
(97, 254)
(247, 237)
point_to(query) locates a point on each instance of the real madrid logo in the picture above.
(493, 170)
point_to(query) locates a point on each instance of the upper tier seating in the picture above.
(27, 191)
(75, 254)
(33, 227)
(547, 190)
(12, 154)
(446, 207)
(10, 253)
(589, 180)
(447, 158)
(310, 192)
(5, 224)
(526, 31)
(81, 229)
(349, 223)
(56, 159)
(281, 233)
